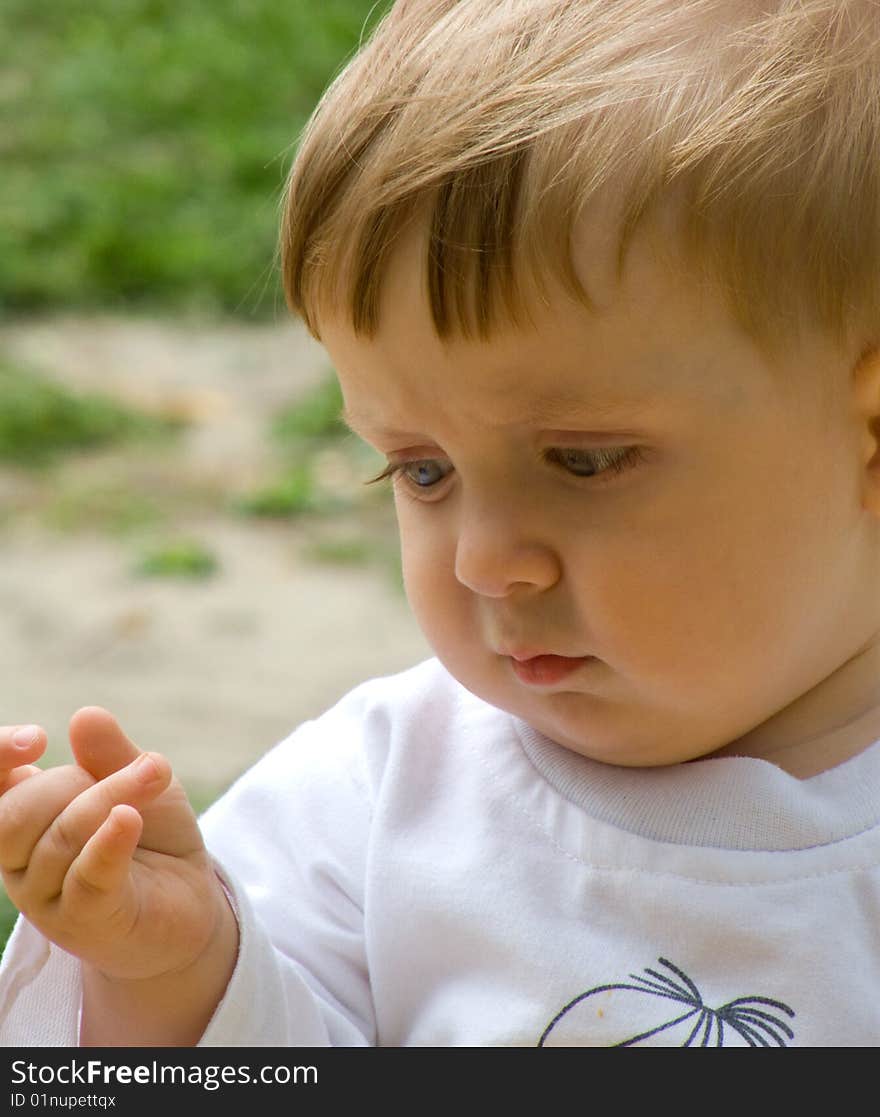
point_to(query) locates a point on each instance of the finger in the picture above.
(102, 748)
(63, 841)
(30, 807)
(19, 744)
(103, 865)
(18, 775)
(98, 743)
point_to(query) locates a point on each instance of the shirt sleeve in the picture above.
(40, 992)
(290, 841)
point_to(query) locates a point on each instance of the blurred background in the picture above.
(186, 538)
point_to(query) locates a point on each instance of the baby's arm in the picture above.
(105, 858)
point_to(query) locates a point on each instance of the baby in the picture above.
(601, 280)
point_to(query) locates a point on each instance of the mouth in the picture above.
(546, 670)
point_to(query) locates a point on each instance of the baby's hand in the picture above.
(105, 857)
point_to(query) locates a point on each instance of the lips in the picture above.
(546, 670)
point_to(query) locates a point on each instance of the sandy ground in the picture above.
(210, 672)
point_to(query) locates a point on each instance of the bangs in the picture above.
(761, 120)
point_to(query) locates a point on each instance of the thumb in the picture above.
(98, 743)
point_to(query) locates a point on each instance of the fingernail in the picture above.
(146, 768)
(25, 736)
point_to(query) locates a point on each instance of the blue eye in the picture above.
(425, 473)
(603, 464)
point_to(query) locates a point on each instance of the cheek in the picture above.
(446, 611)
(428, 560)
(668, 591)
(704, 583)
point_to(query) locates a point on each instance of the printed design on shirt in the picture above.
(668, 1006)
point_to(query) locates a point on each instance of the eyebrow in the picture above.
(550, 412)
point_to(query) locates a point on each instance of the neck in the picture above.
(831, 722)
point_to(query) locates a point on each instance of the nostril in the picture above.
(494, 566)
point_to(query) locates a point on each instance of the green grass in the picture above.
(294, 494)
(354, 551)
(8, 916)
(41, 420)
(111, 507)
(178, 558)
(316, 416)
(145, 144)
(300, 431)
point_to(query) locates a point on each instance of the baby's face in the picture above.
(630, 530)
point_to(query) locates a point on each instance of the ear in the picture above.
(866, 398)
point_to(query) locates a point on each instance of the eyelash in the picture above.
(631, 457)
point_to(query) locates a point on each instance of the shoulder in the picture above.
(377, 712)
(424, 698)
(359, 741)
(426, 686)
(392, 743)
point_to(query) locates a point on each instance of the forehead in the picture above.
(655, 336)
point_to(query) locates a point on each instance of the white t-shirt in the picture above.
(416, 867)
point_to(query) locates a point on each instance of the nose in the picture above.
(500, 550)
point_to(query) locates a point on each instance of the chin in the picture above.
(596, 740)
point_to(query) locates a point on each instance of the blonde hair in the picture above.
(494, 123)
